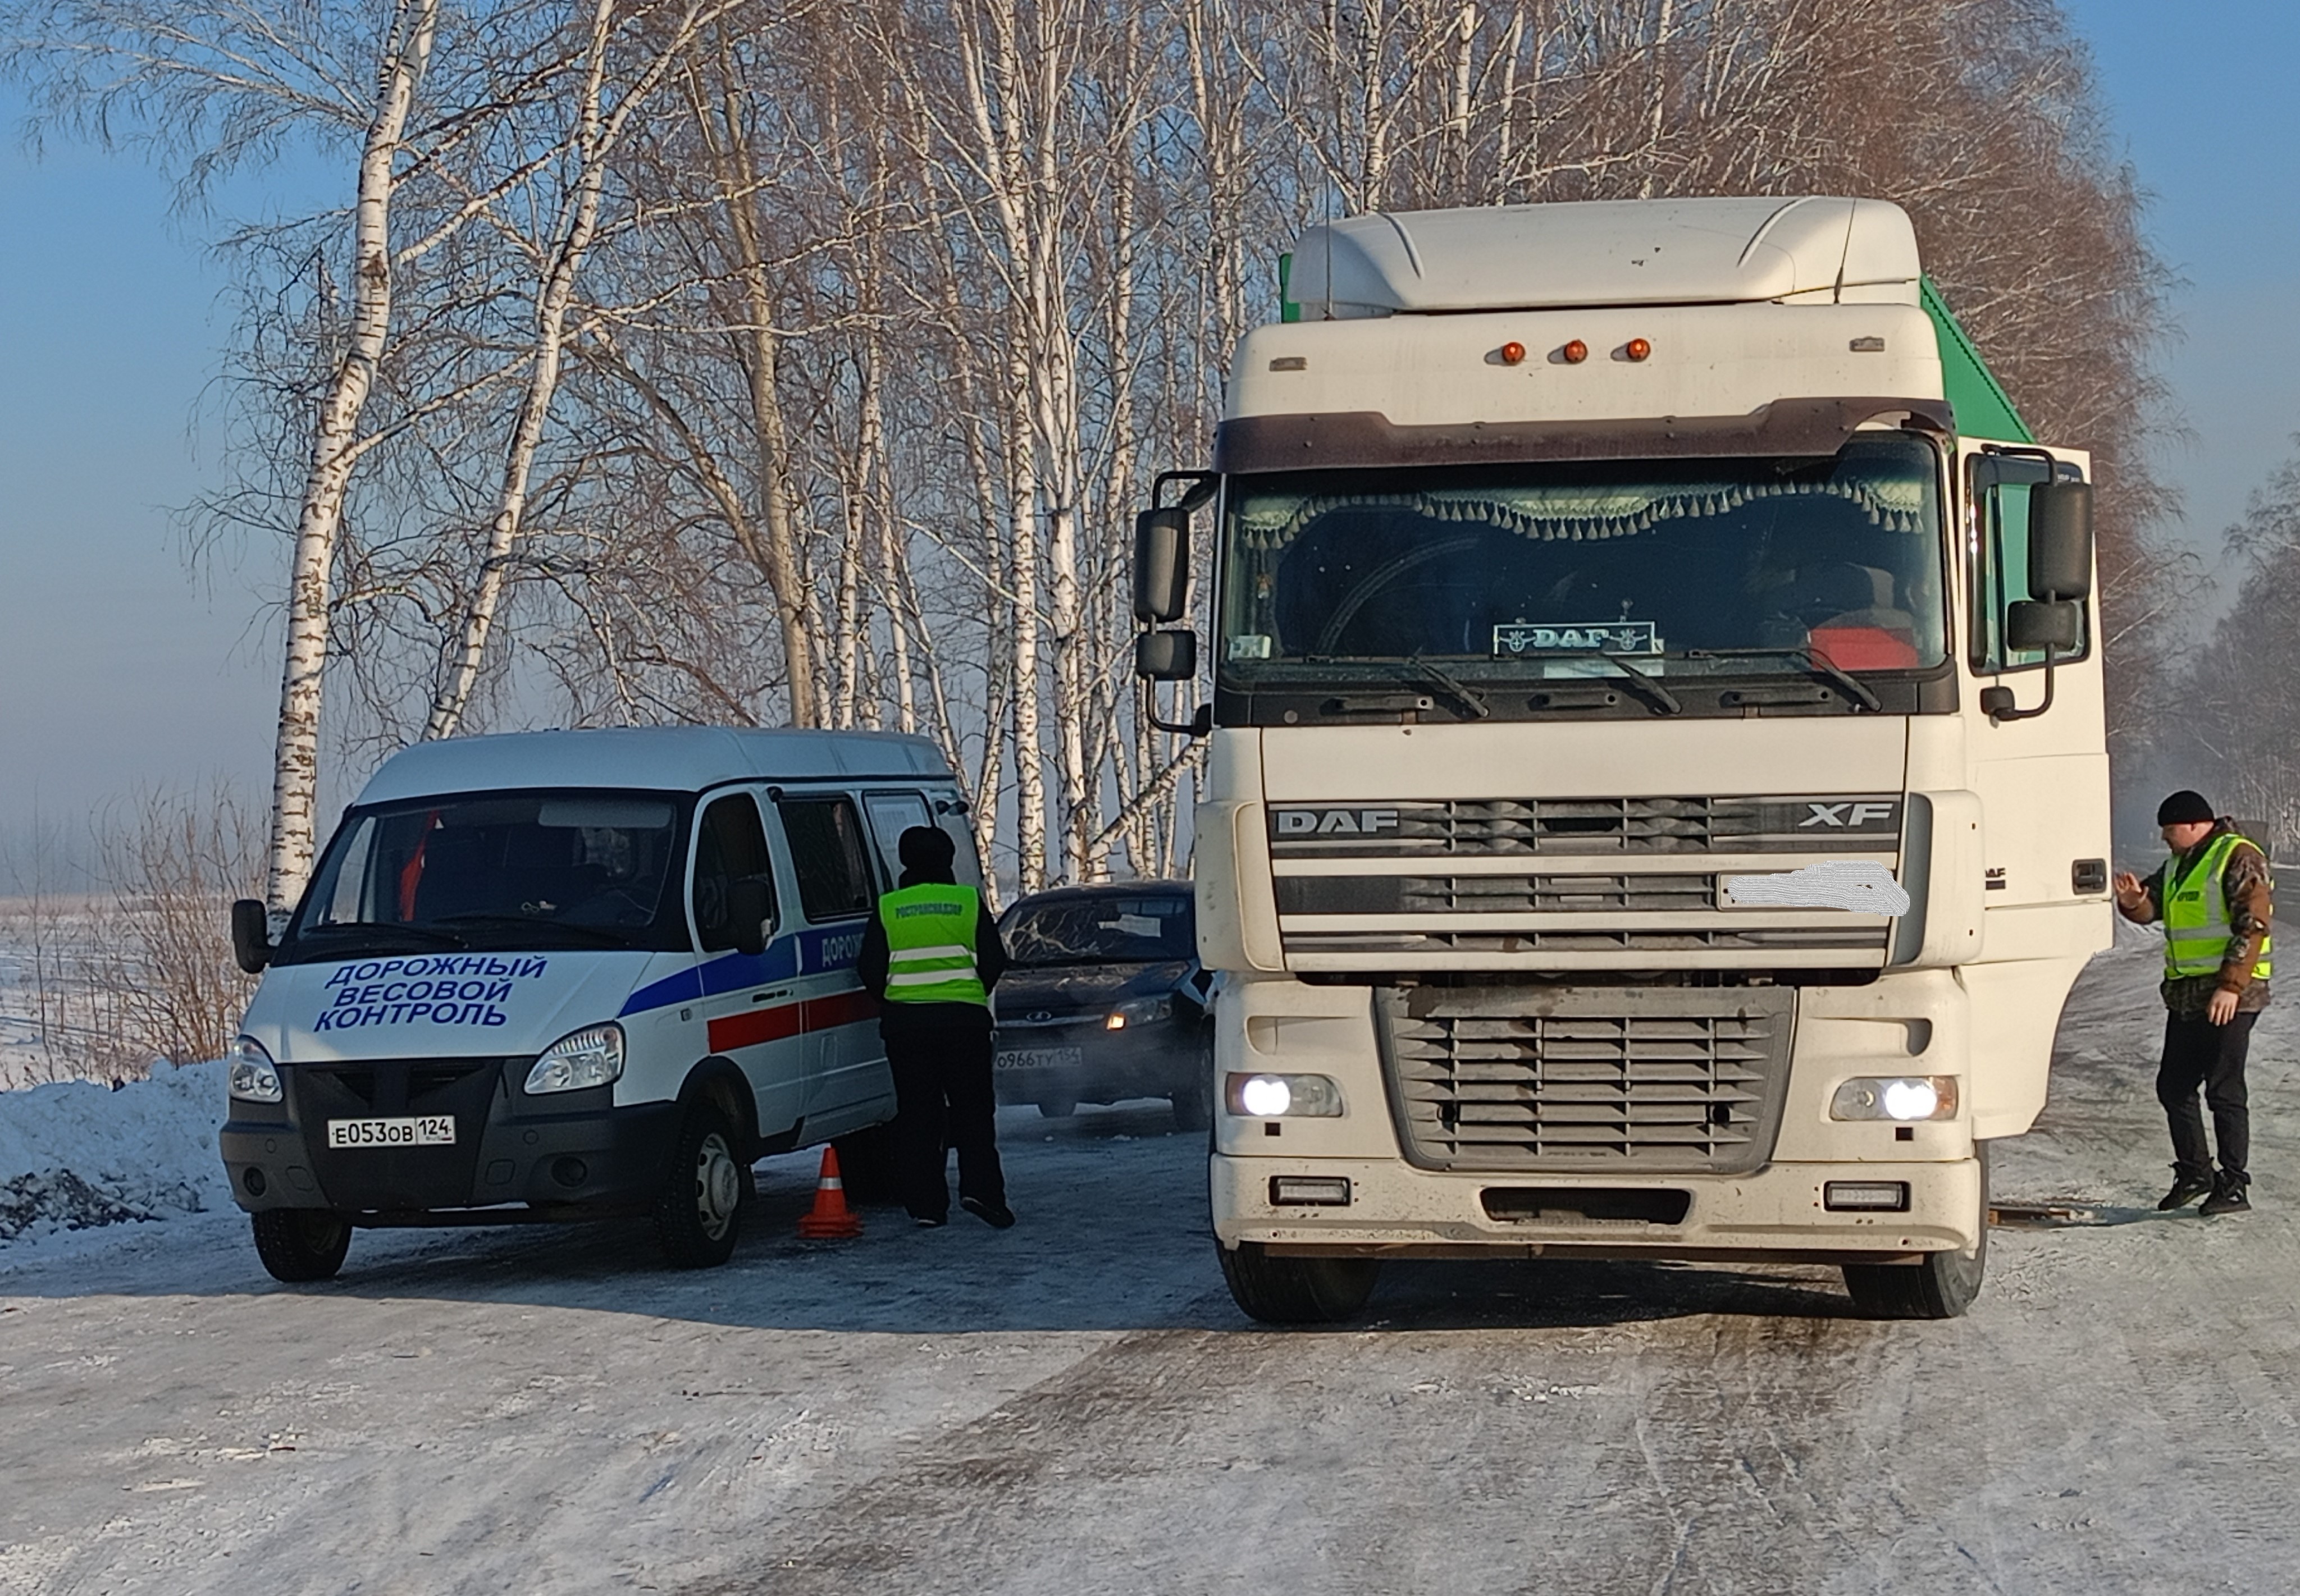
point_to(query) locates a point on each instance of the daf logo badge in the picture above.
(1335, 822)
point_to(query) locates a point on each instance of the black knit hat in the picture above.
(926, 848)
(2185, 808)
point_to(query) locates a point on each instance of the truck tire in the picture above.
(302, 1244)
(1297, 1291)
(1941, 1287)
(699, 1213)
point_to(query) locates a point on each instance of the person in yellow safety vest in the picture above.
(931, 956)
(2215, 898)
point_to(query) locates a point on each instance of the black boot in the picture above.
(2186, 1187)
(2228, 1194)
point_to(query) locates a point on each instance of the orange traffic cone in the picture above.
(832, 1220)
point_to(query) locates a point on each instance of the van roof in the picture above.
(678, 759)
(1727, 250)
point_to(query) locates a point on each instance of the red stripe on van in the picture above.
(758, 1025)
(844, 1009)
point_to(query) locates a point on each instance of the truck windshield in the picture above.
(497, 870)
(1504, 573)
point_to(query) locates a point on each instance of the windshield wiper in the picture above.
(423, 936)
(1819, 664)
(528, 922)
(1661, 697)
(1469, 698)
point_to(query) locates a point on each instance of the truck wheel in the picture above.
(1941, 1287)
(699, 1213)
(1297, 1291)
(298, 1245)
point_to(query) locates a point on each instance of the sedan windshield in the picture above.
(502, 870)
(1689, 567)
(1149, 930)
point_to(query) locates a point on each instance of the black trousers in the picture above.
(943, 1098)
(2199, 1053)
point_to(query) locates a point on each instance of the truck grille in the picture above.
(1598, 1079)
(1485, 828)
(1830, 939)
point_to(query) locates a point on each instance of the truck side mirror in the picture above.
(747, 909)
(1162, 564)
(1169, 656)
(251, 936)
(2057, 625)
(2060, 542)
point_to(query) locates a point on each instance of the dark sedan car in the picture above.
(1103, 1000)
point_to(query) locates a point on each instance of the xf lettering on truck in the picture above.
(1845, 814)
(1327, 822)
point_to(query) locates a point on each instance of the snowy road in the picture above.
(1074, 1406)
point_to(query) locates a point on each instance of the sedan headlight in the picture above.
(1138, 1011)
(253, 1076)
(1283, 1096)
(590, 1057)
(1898, 1097)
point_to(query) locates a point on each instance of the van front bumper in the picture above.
(576, 1152)
(1777, 1213)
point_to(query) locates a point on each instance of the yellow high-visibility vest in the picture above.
(931, 944)
(2196, 928)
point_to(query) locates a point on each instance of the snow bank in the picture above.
(75, 1155)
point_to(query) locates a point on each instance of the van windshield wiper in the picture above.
(1645, 686)
(421, 936)
(528, 922)
(1819, 663)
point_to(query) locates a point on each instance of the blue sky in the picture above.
(117, 668)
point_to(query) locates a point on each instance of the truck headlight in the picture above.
(1903, 1098)
(1138, 1011)
(590, 1057)
(1283, 1096)
(253, 1076)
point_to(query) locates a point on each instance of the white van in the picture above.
(573, 975)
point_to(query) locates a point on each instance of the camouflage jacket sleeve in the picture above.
(2250, 909)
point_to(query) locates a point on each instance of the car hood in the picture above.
(1070, 989)
(442, 1005)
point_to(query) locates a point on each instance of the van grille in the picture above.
(1589, 1078)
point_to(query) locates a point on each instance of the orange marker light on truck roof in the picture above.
(1512, 353)
(1637, 349)
(1575, 352)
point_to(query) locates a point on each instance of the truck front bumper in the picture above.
(1778, 1214)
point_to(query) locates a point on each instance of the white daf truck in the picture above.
(1657, 800)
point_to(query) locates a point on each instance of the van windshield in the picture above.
(498, 870)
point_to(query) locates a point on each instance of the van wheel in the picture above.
(699, 1214)
(300, 1244)
(1941, 1287)
(1297, 1291)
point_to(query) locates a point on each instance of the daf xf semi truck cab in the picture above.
(1657, 800)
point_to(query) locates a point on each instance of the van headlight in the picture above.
(254, 1078)
(1138, 1011)
(590, 1057)
(1898, 1097)
(1261, 1096)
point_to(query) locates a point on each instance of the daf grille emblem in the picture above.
(1334, 822)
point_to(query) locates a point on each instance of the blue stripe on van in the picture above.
(814, 952)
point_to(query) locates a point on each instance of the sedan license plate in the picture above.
(424, 1130)
(1039, 1058)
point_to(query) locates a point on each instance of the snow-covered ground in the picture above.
(1074, 1406)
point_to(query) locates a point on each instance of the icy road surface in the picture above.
(1074, 1406)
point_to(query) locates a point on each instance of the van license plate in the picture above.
(1039, 1058)
(426, 1130)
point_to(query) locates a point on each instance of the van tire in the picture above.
(698, 1216)
(1297, 1291)
(1941, 1287)
(302, 1244)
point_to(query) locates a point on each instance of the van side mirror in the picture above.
(747, 909)
(251, 936)
(2060, 542)
(1169, 656)
(2057, 625)
(1162, 564)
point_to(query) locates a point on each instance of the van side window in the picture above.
(826, 844)
(730, 845)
